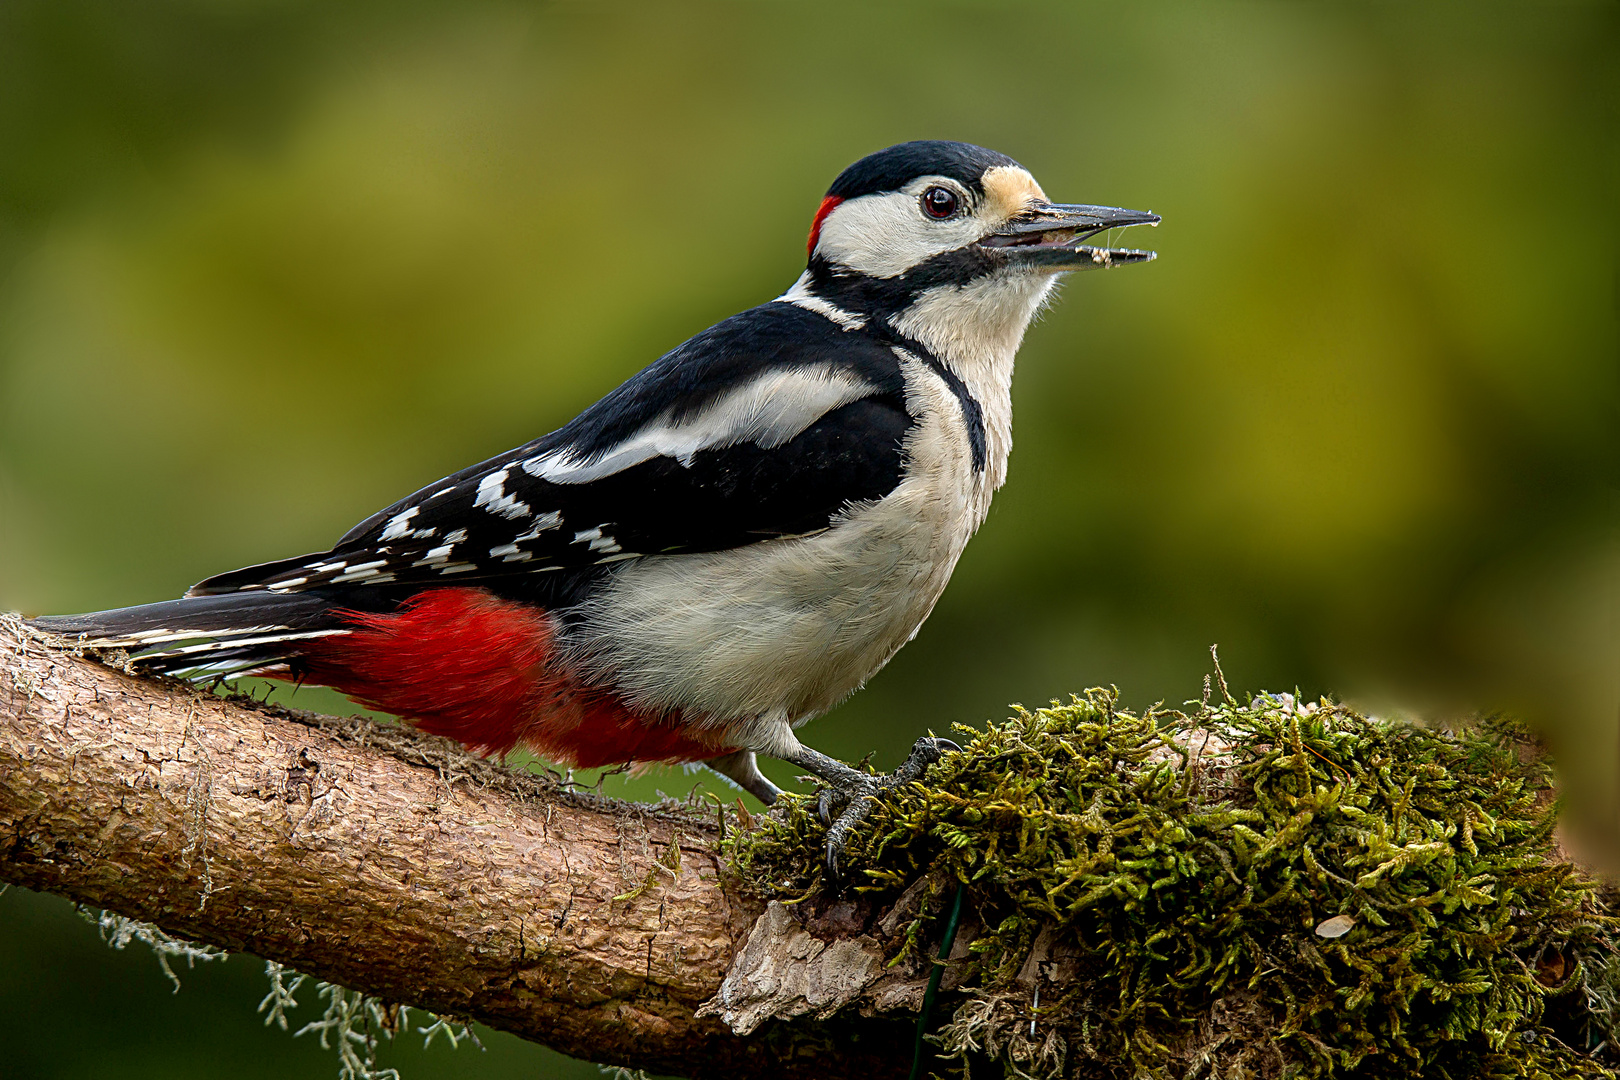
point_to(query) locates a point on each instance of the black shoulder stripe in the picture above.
(878, 298)
(972, 415)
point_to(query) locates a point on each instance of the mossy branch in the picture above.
(1273, 888)
(1266, 889)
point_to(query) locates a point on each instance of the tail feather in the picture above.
(460, 662)
(236, 631)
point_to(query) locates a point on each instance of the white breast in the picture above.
(791, 627)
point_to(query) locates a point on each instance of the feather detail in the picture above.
(470, 666)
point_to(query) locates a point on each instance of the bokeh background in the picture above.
(266, 265)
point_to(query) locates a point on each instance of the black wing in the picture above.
(766, 425)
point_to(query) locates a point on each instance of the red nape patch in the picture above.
(482, 670)
(827, 206)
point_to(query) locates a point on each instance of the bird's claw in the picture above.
(859, 795)
(824, 806)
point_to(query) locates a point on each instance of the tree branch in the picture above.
(392, 863)
(1324, 859)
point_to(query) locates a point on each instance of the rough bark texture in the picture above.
(395, 864)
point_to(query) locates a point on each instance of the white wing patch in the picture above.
(492, 496)
(543, 523)
(598, 540)
(399, 525)
(768, 410)
(360, 571)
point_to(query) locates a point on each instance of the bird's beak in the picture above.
(1046, 237)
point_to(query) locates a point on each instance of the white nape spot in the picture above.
(492, 496)
(768, 410)
(290, 583)
(360, 570)
(801, 296)
(456, 536)
(397, 526)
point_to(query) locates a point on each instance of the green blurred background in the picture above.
(266, 265)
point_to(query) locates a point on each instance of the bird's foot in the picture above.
(857, 792)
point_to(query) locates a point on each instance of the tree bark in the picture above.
(393, 863)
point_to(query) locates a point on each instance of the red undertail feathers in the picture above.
(465, 664)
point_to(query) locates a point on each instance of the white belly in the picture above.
(788, 628)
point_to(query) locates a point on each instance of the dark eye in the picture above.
(939, 203)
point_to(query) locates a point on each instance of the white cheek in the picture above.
(886, 235)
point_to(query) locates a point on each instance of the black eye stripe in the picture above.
(940, 203)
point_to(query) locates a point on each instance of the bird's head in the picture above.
(955, 235)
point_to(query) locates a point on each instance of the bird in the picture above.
(721, 549)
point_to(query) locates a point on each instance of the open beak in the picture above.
(1046, 237)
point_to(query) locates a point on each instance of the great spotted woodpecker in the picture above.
(721, 549)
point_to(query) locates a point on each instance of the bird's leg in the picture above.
(741, 767)
(858, 791)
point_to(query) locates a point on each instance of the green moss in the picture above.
(1173, 907)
